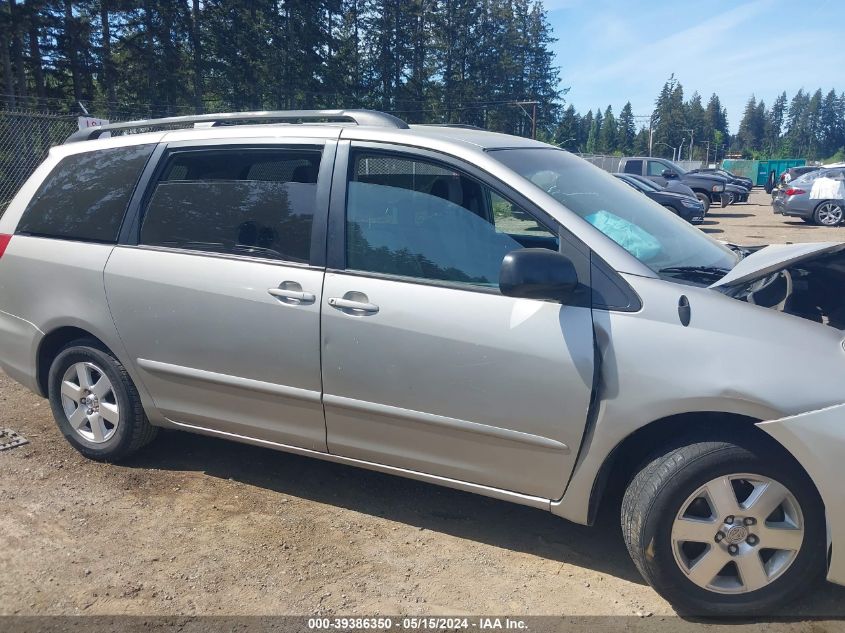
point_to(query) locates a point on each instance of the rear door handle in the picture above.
(357, 306)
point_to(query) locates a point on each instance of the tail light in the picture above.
(4, 242)
(794, 192)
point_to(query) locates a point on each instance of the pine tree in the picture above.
(607, 143)
(595, 130)
(567, 133)
(774, 125)
(627, 130)
(695, 120)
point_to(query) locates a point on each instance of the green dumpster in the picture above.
(758, 170)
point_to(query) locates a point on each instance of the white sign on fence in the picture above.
(89, 121)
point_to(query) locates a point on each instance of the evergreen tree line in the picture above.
(454, 61)
(807, 126)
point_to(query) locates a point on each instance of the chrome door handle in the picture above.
(348, 304)
(296, 295)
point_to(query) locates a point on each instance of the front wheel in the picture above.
(828, 214)
(723, 529)
(705, 200)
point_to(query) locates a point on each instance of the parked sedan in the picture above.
(794, 200)
(733, 179)
(689, 208)
(795, 172)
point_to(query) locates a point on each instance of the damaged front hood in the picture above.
(805, 280)
(775, 257)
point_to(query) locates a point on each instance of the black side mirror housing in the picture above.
(538, 273)
(668, 173)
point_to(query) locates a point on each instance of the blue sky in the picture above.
(613, 51)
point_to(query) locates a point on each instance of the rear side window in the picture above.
(85, 196)
(257, 202)
(634, 167)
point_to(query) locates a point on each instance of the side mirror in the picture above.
(537, 273)
(669, 174)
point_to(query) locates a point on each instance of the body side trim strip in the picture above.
(249, 384)
(444, 422)
(496, 493)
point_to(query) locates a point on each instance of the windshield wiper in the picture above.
(700, 271)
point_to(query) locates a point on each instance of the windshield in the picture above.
(646, 184)
(657, 237)
(808, 177)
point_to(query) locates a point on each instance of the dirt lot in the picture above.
(199, 526)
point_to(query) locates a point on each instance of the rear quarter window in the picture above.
(86, 194)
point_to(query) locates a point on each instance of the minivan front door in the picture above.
(218, 303)
(426, 366)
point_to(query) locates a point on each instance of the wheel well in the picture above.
(625, 461)
(49, 348)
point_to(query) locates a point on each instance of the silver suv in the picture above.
(465, 308)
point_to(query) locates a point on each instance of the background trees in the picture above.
(453, 61)
(808, 126)
(480, 62)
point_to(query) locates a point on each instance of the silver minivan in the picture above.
(470, 309)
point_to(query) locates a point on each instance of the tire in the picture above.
(829, 213)
(705, 199)
(731, 199)
(808, 220)
(112, 425)
(654, 522)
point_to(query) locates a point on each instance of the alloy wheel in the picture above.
(829, 214)
(737, 533)
(89, 402)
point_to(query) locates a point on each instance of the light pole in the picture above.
(674, 149)
(691, 140)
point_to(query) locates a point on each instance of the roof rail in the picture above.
(462, 126)
(359, 117)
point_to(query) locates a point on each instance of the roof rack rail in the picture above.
(462, 126)
(359, 117)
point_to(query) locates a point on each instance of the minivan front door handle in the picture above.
(291, 292)
(353, 306)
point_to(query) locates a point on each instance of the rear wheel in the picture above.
(95, 403)
(705, 199)
(724, 529)
(828, 213)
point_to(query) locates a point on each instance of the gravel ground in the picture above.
(195, 525)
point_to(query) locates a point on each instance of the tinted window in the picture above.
(634, 167)
(418, 219)
(85, 196)
(245, 202)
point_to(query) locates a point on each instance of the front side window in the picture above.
(257, 202)
(655, 168)
(658, 238)
(414, 218)
(86, 195)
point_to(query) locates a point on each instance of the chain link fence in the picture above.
(25, 139)
(611, 163)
